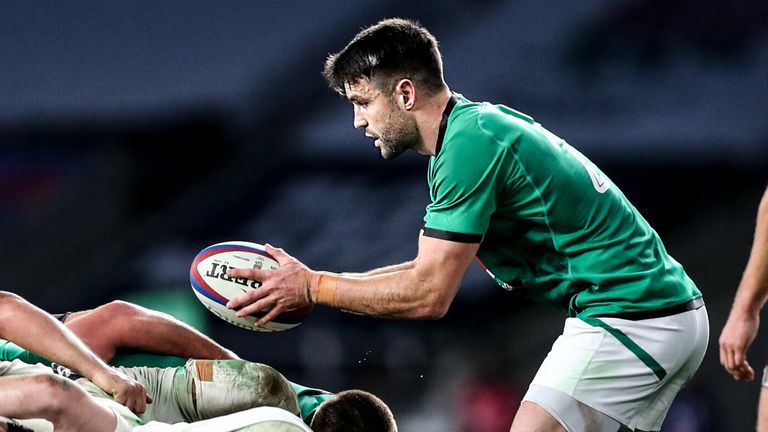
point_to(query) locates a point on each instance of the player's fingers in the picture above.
(749, 373)
(739, 356)
(247, 298)
(248, 273)
(278, 254)
(723, 355)
(730, 358)
(728, 362)
(128, 400)
(736, 374)
(135, 400)
(254, 307)
(277, 310)
(738, 361)
(742, 371)
(140, 405)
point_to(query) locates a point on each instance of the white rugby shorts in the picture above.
(260, 419)
(628, 370)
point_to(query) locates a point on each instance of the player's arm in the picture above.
(423, 289)
(122, 325)
(382, 270)
(744, 320)
(35, 330)
(55, 399)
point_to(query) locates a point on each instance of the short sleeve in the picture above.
(463, 182)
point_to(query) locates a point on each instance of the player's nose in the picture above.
(359, 120)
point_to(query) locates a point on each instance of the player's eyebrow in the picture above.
(356, 99)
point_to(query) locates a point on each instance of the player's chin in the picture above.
(390, 152)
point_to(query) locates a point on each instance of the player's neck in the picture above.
(428, 119)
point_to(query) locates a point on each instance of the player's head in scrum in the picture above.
(354, 411)
(391, 72)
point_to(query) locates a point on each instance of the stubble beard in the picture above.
(398, 134)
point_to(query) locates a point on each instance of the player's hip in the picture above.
(628, 369)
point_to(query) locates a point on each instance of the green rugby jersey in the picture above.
(548, 220)
(9, 351)
(309, 400)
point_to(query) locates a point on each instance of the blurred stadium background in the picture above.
(133, 134)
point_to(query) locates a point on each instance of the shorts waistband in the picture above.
(658, 313)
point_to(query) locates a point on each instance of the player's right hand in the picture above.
(123, 389)
(738, 334)
(284, 288)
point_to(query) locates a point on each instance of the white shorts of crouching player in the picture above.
(604, 374)
(260, 419)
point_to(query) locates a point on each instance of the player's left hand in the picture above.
(281, 289)
(738, 334)
(124, 389)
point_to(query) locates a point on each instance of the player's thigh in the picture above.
(96, 327)
(547, 409)
(677, 343)
(628, 370)
(224, 386)
(171, 392)
(531, 417)
(68, 317)
(762, 407)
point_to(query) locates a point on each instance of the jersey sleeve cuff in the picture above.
(453, 236)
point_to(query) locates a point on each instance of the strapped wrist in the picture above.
(323, 291)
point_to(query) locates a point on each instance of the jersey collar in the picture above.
(444, 121)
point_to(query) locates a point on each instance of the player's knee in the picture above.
(118, 317)
(274, 389)
(57, 394)
(127, 315)
(226, 386)
(265, 386)
(118, 310)
(8, 304)
(8, 296)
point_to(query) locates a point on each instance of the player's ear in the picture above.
(406, 94)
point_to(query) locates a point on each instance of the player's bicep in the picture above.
(442, 263)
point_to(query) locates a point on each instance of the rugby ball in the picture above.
(212, 286)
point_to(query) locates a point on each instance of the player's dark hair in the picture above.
(354, 411)
(385, 53)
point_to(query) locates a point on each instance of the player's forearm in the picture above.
(753, 288)
(398, 294)
(36, 331)
(421, 289)
(381, 270)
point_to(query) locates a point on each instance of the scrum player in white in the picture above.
(35, 391)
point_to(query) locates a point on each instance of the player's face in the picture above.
(394, 130)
